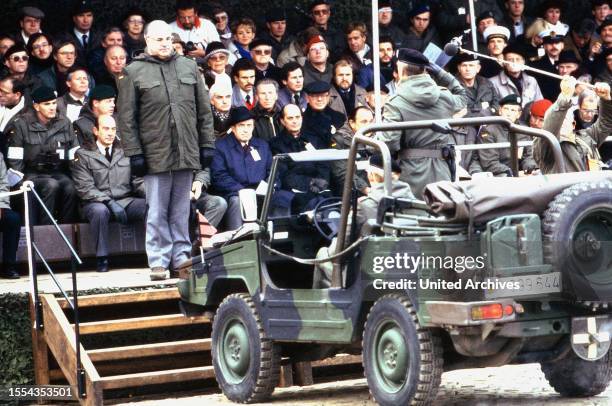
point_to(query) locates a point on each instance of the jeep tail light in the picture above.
(488, 312)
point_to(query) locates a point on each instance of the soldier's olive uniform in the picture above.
(421, 151)
(579, 149)
(42, 154)
(497, 161)
(164, 114)
(98, 181)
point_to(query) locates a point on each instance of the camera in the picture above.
(189, 47)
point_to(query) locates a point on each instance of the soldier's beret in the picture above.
(13, 50)
(259, 42)
(376, 160)
(82, 6)
(317, 87)
(538, 108)
(102, 92)
(43, 94)
(465, 57)
(418, 8)
(412, 56)
(238, 115)
(275, 14)
(511, 99)
(33, 12)
(484, 15)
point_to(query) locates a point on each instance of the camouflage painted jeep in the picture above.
(426, 291)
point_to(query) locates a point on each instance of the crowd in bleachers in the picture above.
(273, 89)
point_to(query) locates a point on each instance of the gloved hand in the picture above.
(196, 189)
(317, 185)
(509, 173)
(529, 167)
(206, 156)
(138, 165)
(434, 68)
(568, 86)
(118, 211)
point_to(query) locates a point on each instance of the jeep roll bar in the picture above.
(360, 138)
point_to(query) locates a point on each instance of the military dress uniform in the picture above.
(42, 154)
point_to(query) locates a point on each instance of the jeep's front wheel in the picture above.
(402, 361)
(246, 363)
(572, 376)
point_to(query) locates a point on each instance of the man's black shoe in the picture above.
(102, 264)
(9, 273)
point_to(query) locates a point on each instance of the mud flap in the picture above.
(591, 336)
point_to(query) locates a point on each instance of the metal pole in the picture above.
(77, 331)
(473, 26)
(29, 229)
(376, 62)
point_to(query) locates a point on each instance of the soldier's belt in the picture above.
(421, 153)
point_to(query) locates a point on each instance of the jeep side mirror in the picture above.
(248, 205)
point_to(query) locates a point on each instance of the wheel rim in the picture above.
(234, 353)
(591, 244)
(390, 356)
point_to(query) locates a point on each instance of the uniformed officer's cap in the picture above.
(418, 8)
(13, 50)
(238, 115)
(81, 7)
(317, 87)
(496, 31)
(465, 57)
(275, 14)
(376, 161)
(553, 36)
(484, 15)
(538, 108)
(33, 12)
(102, 92)
(43, 94)
(511, 99)
(412, 56)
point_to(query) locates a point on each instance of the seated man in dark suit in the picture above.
(104, 183)
(240, 162)
(10, 226)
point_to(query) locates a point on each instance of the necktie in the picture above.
(84, 39)
(296, 99)
(248, 102)
(107, 154)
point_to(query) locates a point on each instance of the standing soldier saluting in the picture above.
(425, 155)
(166, 125)
(580, 148)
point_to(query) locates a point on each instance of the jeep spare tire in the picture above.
(577, 240)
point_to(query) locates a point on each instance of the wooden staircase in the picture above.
(108, 368)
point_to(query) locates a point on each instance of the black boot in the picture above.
(9, 272)
(102, 264)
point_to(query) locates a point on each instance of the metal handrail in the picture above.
(360, 138)
(33, 253)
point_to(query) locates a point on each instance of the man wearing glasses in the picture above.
(30, 19)
(261, 52)
(166, 125)
(317, 67)
(194, 31)
(320, 12)
(65, 55)
(16, 64)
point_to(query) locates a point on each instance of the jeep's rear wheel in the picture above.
(246, 363)
(402, 361)
(577, 240)
(572, 376)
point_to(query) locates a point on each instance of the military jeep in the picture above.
(485, 273)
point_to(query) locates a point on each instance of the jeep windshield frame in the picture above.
(361, 138)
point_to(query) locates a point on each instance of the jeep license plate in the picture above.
(524, 285)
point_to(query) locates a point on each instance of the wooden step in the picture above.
(124, 297)
(149, 350)
(157, 377)
(139, 323)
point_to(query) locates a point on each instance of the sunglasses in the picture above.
(17, 58)
(320, 12)
(262, 52)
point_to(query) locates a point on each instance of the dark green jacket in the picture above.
(578, 147)
(164, 113)
(497, 161)
(32, 144)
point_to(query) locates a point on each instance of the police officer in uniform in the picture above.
(579, 148)
(425, 155)
(104, 182)
(41, 143)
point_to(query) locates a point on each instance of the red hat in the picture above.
(539, 108)
(315, 39)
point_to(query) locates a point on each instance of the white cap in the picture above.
(496, 31)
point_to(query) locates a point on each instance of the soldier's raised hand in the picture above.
(603, 90)
(568, 86)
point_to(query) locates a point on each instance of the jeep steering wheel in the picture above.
(326, 217)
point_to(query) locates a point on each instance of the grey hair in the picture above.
(267, 82)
